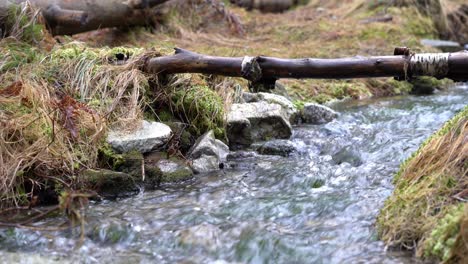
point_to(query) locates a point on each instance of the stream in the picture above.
(318, 205)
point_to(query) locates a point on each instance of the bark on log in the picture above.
(266, 70)
(266, 6)
(67, 17)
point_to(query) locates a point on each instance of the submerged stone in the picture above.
(317, 114)
(279, 147)
(148, 137)
(250, 122)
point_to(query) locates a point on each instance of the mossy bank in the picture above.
(427, 211)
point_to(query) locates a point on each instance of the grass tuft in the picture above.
(429, 185)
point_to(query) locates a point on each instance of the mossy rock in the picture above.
(159, 169)
(110, 184)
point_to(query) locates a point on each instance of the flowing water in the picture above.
(316, 206)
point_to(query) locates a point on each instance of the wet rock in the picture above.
(242, 160)
(443, 45)
(148, 137)
(241, 155)
(250, 122)
(172, 170)
(208, 153)
(161, 169)
(205, 235)
(290, 111)
(279, 147)
(349, 155)
(317, 114)
(110, 184)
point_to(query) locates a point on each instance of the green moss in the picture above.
(109, 183)
(16, 54)
(165, 116)
(299, 104)
(426, 85)
(317, 183)
(200, 107)
(109, 158)
(441, 242)
(400, 87)
(321, 98)
(20, 24)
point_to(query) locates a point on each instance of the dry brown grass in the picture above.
(427, 187)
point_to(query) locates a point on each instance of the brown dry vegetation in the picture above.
(427, 211)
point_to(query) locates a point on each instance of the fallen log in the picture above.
(67, 17)
(263, 71)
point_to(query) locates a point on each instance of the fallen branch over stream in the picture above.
(264, 71)
(67, 17)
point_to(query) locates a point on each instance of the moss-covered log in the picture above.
(67, 17)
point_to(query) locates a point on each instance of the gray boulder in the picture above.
(287, 106)
(317, 114)
(250, 122)
(148, 137)
(208, 153)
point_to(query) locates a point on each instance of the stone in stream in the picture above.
(317, 114)
(159, 169)
(279, 147)
(250, 122)
(287, 106)
(173, 170)
(110, 184)
(208, 153)
(148, 137)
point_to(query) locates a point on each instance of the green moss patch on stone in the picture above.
(109, 184)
